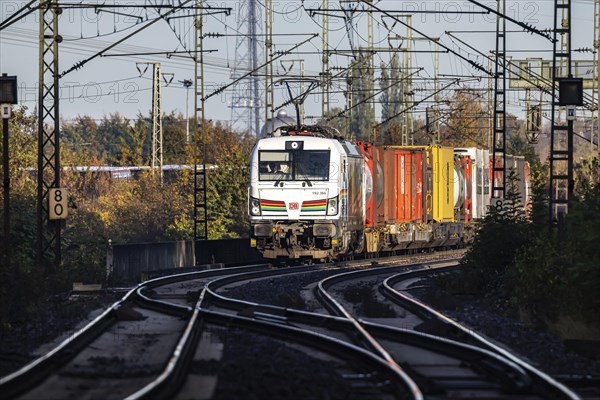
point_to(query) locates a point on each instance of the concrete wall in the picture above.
(127, 262)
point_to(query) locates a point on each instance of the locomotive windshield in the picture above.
(302, 165)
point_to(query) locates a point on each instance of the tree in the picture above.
(467, 124)
(391, 101)
(227, 181)
(363, 115)
(174, 139)
(518, 145)
(501, 235)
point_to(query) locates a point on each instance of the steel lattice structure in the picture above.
(48, 232)
(157, 131)
(200, 178)
(561, 136)
(246, 102)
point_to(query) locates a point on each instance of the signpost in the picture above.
(58, 203)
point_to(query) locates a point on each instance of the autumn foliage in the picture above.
(103, 209)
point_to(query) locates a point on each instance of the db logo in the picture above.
(294, 206)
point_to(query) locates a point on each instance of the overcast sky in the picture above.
(117, 84)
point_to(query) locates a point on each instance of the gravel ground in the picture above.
(535, 344)
(52, 322)
(287, 372)
(282, 291)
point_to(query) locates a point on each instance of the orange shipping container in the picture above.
(409, 176)
(403, 184)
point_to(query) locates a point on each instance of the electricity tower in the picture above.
(246, 103)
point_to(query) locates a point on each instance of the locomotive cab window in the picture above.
(302, 165)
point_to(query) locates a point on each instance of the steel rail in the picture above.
(558, 389)
(516, 377)
(337, 309)
(21, 380)
(512, 376)
(162, 306)
(169, 383)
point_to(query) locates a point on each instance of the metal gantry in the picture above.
(200, 205)
(371, 85)
(406, 96)
(200, 178)
(499, 121)
(349, 101)
(48, 249)
(561, 138)
(325, 73)
(436, 87)
(199, 63)
(594, 130)
(269, 88)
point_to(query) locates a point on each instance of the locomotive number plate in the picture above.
(294, 206)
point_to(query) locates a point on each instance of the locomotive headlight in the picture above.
(332, 206)
(254, 206)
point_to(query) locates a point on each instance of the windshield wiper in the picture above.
(307, 181)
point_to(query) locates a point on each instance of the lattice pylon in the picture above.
(246, 100)
(499, 117)
(596, 78)
(561, 142)
(157, 131)
(48, 249)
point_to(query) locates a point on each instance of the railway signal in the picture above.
(8, 97)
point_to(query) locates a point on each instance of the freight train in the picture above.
(316, 195)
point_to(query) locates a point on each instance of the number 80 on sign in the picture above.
(58, 203)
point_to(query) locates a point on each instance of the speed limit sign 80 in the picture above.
(58, 203)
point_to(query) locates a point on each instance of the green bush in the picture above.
(541, 273)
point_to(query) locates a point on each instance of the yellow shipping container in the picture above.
(443, 183)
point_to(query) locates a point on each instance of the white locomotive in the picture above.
(306, 195)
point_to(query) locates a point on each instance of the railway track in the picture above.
(202, 355)
(126, 346)
(457, 372)
(441, 367)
